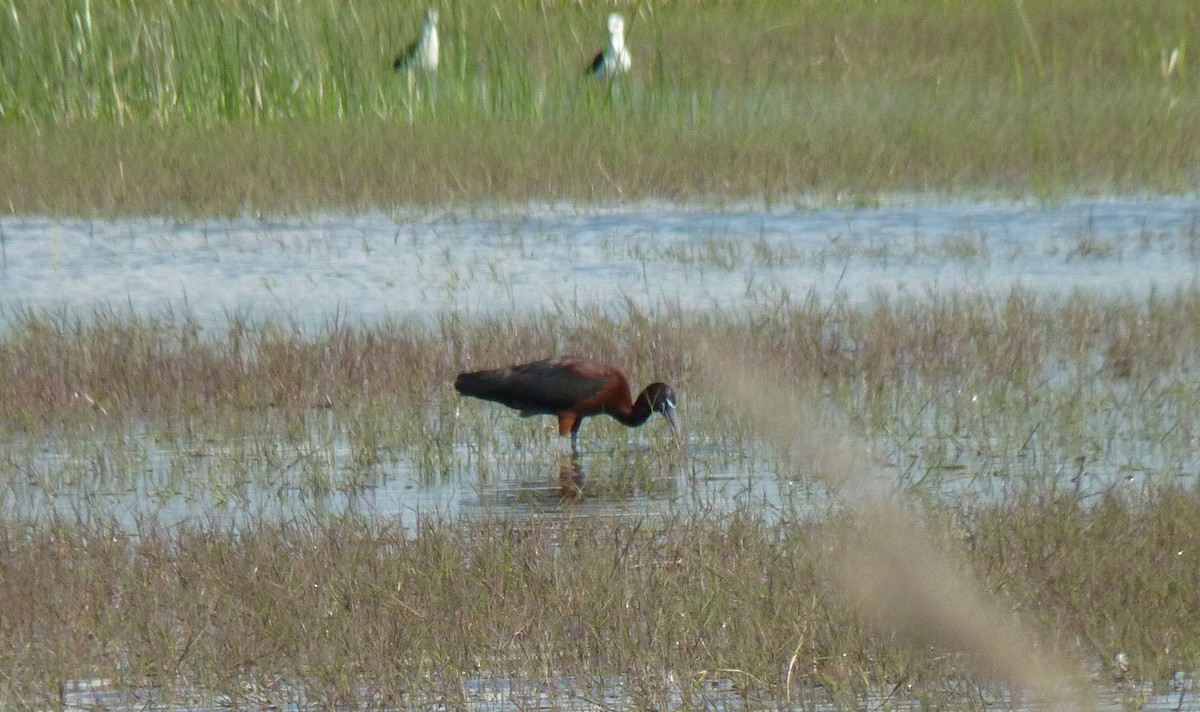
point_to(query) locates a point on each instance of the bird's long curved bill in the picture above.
(669, 414)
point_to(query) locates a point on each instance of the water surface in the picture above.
(373, 266)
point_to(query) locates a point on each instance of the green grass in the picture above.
(232, 60)
(228, 107)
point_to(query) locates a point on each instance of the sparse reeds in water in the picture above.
(987, 373)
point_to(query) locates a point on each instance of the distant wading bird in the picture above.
(422, 55)
(614, 59)
(572, 389)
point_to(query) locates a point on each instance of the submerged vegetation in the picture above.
(229, 106)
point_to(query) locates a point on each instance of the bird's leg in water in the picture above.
(568, 445)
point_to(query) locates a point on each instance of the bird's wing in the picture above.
(407, 56)
(547, 387)
(557, 384)
(597, 64)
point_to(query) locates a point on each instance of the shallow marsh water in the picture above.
(372, 267)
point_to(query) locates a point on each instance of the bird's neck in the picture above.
(637, 413)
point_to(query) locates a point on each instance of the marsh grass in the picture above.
(229, 107)
(991, 375)
(361, 613)
(726, 252)
(1048, 406)
(1114, 535)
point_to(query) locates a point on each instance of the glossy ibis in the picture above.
(422, 55)
(614, 59)
(572, 389)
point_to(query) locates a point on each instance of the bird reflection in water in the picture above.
(571, 479)
(601, 485)
(540, 493)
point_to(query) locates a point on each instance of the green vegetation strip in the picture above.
(229, 106)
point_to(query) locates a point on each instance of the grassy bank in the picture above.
(228, 107)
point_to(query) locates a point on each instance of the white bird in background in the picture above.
(422, 55)
(614, 59)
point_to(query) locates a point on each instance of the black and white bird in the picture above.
(614, 59)
(422, 55)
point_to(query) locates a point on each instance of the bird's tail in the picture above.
(481, 384)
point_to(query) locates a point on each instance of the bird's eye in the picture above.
(670, 403)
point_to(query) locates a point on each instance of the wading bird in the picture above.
(614, 59)
(422, 55)
(572, 389)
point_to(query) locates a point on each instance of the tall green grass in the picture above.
(232, 60)
(230, 106)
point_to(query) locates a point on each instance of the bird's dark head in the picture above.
(662, 400)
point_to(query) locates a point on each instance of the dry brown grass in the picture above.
(866, 604)
(892, 569)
